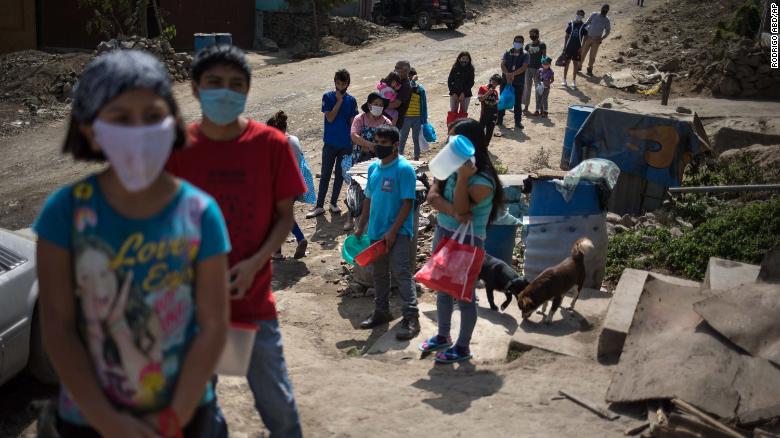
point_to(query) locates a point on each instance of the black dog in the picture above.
(497, 275)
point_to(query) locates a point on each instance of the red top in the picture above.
(247, 176)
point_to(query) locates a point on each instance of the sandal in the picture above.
(452, 355)
(435, 343)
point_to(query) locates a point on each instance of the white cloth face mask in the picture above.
(137, 153)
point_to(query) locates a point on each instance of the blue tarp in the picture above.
(654, 148)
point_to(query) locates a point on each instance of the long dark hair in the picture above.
(278, 121)
(470, 129)
(470, 65)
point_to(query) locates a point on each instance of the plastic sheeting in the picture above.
(597, 170)
(656, 147)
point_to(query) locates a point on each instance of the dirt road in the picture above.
(340, 393)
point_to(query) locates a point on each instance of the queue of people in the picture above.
(144, 265)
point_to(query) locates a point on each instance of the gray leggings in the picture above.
(445, 304)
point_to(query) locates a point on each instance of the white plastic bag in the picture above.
(424, 145)
(540, 88)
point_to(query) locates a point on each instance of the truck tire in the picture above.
(39, 364)
(424, 21)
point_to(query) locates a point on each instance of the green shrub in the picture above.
(741, 233)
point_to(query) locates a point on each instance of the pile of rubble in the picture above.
(745, 72)
(178, 64)
(355, 31)
(617, 224)
(39, 79)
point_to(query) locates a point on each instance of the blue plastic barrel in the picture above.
(203, 40)
(547, 201)
(500, 242)
(577, 116)
(224, 39)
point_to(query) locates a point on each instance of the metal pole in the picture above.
(726, 189)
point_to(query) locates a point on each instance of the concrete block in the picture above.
(770, 267)
(620, 314)
(725, 274)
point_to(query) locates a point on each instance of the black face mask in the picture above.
(534, 38)
(383, 152)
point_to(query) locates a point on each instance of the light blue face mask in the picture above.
(221, 105)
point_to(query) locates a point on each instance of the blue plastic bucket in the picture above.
(224, 39)
(203, 40)
(500, 242)
(577, 116)
(547, 201)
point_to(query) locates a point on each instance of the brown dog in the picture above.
(554, 282)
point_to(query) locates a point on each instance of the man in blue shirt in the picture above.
(513, 66)
(387, 209)
(339, 108)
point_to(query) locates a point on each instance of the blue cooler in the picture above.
(203, 40)
(224, 39)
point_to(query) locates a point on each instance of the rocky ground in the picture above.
(340, 391)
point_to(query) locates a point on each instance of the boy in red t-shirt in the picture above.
(250, 170)
(488, 99)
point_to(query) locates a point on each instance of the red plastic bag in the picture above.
(370, 254)
(453, 116)
(454, 266)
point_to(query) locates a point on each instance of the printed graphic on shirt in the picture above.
(134, 301)
(388, 184)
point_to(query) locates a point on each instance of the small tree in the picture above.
(112, 18)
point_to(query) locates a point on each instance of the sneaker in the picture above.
(300, 250)
(349, 224)
(545, 115)
(379, 317)
(519, 127)
(453, 354)
(410, 328)
(574, 85)
(435, 343)
(565, 84)
(590, 71)
(318, 211)
(334, 209)
(536, 113)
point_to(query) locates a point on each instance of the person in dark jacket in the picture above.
(514, 63)
(460, 82)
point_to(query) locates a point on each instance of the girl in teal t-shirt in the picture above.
(132, 267)
(477, 200)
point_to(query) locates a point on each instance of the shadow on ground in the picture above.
(456, 387)
(20, 401)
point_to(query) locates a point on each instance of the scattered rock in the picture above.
(675, 232)
(649, 239)
(635, 45)
(613, 218)
(684, 224)
(621, 229)
(671, 65)
(729, 87)
(645, 39)
(628, 221)
(764, 156)
(620, 60)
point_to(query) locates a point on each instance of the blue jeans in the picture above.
(445, 303)
(331, 157)
(297, 232)
(270, 383)
(413, 124)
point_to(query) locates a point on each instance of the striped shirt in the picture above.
(414, 105)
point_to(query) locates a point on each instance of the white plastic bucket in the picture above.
(457, 150)
(238, 350)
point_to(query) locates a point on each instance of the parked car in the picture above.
(21, 345)
(423, 13)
